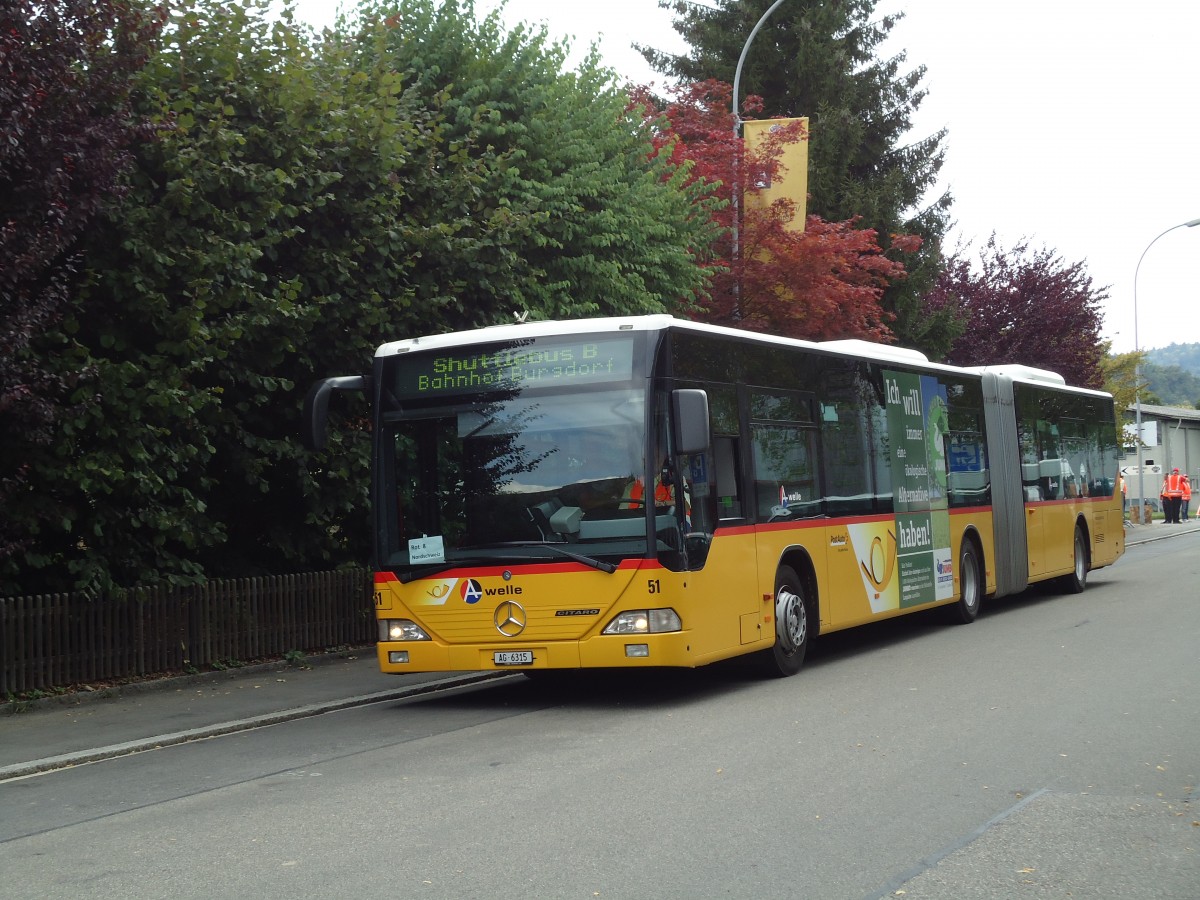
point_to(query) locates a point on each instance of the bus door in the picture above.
(786, 478)
(1035, 530)
(1033, 487)
(726, 611)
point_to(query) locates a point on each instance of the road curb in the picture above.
(1136, 538)
(82, 757)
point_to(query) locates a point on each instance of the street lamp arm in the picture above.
(1192, 224)
(737, 73)
(1137, 364)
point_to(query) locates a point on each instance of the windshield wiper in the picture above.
(434, 568)
(555, 548)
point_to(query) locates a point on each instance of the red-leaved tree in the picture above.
(1026, 306)
(822, 283)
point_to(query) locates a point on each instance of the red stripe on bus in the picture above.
(837, 522)
(524, 568)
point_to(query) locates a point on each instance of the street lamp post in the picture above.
(737, 124)
(1137, 365)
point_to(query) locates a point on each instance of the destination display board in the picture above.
(570, 361)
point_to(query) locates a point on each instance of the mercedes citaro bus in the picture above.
(649, 491)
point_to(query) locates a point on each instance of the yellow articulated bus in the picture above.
(655, 492)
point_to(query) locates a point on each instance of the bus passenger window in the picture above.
(785, 483)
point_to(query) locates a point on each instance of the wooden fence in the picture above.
(58, 640)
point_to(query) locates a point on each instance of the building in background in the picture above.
(1170, 440)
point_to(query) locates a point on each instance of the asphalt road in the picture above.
(1049, 750)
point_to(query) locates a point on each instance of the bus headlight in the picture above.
(401, 630)
(644, 621)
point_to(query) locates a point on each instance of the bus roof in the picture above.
(1030, 375)
(658, 322)
(1022, 373)
(520, 330)
(517, 331)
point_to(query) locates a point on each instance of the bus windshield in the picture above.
(505, 476)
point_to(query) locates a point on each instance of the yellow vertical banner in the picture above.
(791, 179)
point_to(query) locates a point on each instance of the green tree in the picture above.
(1186, 356)
(257, 246)
(1175, 385)
(820, 59)
(66, 71)
(1179, 365)
(181, 279)
(1120, 371)
(309, 199)
(609, 227)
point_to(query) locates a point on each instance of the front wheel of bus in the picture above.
(970, 585)
(1077, 580)
(791, 625)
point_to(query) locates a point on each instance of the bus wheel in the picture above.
(970, 579)
(1077, 580)
(791, 626)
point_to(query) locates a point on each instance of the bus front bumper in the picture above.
(601, 652)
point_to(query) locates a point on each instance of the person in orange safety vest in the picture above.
(664, 492)
(1187, 498)
(1172, 497)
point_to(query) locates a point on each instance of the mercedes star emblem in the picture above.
(510, 618)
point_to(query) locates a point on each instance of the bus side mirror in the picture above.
(690, 406)
(315, 429)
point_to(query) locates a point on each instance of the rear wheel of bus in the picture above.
(1077, 580)
(791, 626)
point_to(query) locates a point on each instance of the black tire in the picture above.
(1077, 580)
(971, 585)
(791, 626)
